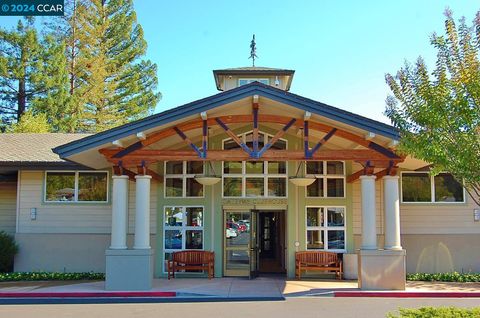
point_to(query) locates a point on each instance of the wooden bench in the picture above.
(318, 261)
(191, 260)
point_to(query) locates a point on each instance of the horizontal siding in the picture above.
(439, 218)
(420, 218)
(8, 203)
(66, 218)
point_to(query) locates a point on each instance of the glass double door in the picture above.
(241, 243)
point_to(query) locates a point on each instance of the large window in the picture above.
(180, 181)
(182, 229)
(330, 179)
(254, 178)
(76, 186)
(421, 187)
(325, 228)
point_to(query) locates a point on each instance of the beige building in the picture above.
(293, 174)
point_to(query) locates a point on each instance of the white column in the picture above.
(119, 212)
(142, 212)
(369, 226)
(392, 213)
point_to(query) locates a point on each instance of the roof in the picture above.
(254, 69)
(222, 98)
(34, 150)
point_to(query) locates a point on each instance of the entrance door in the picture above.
(240, 243)
(271, 238)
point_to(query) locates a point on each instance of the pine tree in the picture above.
(20, 78)
(55, 102)
(110, 82)
(32, 76)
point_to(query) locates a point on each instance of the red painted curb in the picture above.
(388, 294)
(87, 294)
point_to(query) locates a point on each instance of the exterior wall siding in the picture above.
(70, 217)
(8, 203)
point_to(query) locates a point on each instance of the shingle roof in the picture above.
(30, 148)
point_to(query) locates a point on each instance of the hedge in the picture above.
(441, 312)
(445, 277)
(33, 276)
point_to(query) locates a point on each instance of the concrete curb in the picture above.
(85, 294)
(406, 294)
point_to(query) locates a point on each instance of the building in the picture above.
(123, 200)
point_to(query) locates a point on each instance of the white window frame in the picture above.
(432, 190)
(324, 176)
(182, 229)
(75, 196)
(251, 80)
(184, 176)
(326, 228)
(265, 175)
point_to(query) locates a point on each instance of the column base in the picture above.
(381, 269)
(129, 269)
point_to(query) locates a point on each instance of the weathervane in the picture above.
(253, 50)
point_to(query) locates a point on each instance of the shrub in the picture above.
(442, 312)
(445, 277)
(8, 249)
(32, 276)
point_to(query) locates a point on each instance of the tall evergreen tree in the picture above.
(110, 83)
(32, 76)
(20, 79)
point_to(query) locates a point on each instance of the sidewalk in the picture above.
(230, 289)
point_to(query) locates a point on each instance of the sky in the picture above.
(340, 50)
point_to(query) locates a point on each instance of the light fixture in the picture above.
(208, 178)
(301, 181)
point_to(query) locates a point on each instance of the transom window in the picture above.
(182, 229)
(330, 179)
(326, 228)
(76, 186)
(254, 178)
(244, 81)
(180, 181)
(422, 187)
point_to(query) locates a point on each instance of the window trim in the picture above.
(257, 79)
(432, 190)
(77, 173)
(324, 177)
(326, 228)
(184, 176)
(265, 175)
(183, 228)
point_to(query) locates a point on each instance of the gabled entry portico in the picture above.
(255, 136)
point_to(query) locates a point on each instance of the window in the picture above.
(76, 186)
(244, 81)
(421, 187)
(325, 228)
(182, 229)
(180, 181)
(254, 178)
(330, 179)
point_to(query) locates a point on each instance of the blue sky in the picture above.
(340, 50)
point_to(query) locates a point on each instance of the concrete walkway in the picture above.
(237, 288)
